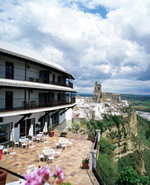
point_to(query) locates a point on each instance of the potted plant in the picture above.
(63, 133)
(3, 175)
(91, 136)
(51, 131)
(85, 163)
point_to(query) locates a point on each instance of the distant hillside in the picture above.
(132, 97)
(84, 95)
(129, 97)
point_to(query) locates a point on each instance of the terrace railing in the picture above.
(94, 165)
(21, 103)
(13, 173)
(33, 76)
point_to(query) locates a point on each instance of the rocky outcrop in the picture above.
(128, 143)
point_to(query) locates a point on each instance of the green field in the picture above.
(139, 102)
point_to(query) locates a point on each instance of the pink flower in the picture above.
(38, 176)
(59, 174)
(43, 174)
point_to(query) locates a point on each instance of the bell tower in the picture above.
(97, 93)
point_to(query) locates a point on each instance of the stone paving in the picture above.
(70, 159)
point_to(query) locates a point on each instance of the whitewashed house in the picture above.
(32, 91)
(98, 109)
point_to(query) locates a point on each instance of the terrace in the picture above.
(70, 159)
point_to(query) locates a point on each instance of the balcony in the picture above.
(66, 84)
(21, 104)
(32, 75)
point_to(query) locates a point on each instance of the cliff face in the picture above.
(129, 143)
(126, 140)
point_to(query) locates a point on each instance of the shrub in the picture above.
(148, 134)
(145, 180)
(131, 160)
(85, 161)
(105, 146)
(76, 126)
(128, 177)
(108, 166)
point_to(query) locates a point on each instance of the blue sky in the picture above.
(95, 40)
(102, 11)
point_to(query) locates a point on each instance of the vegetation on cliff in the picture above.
(130, 136)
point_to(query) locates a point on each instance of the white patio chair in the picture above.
(33, 138)
(30, 142)
(58, 153)
(57, 145)
(41, 157)
(30, 168)
(50, 158)
(63, 145)
(16, 143)
(24, 145)
(5, 150)
(69, 143)
(38, 139)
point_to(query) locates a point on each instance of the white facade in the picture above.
(98, 109)
(32, 92)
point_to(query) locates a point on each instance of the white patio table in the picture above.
(49, 152)
(24, 142)
(39, 137)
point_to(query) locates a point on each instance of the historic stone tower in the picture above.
(97, 93)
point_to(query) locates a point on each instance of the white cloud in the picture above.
(126, 86)
(116, 48)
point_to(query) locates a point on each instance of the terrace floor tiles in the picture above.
(70, 159)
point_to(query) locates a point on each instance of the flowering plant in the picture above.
(44, 175)
(85, 161)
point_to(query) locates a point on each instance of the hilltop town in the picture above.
(100, 104)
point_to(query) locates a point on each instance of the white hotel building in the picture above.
(32, 91)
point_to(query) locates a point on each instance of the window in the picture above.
(4, 132)
(55, 119)
(25, 126)
(9, 70)
(8, 99)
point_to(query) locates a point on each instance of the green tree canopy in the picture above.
(128, 177)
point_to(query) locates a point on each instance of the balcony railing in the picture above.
(33, 76)
(21, 104)
(94, 165)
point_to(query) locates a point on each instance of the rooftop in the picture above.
(31, 56)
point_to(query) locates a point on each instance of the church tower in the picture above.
(97, 93)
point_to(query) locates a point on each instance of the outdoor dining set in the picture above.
(47, 154)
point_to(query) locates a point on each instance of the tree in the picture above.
(128, 177)
(145, 180)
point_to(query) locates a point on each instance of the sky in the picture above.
(107, 41)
